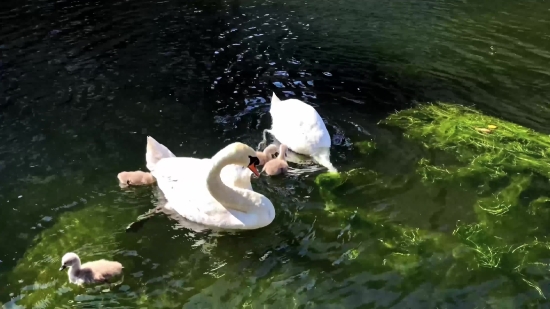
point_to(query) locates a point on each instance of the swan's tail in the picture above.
(324, 159)
(275, 99)
(155, 152)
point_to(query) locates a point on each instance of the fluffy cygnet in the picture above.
(137, 178)
(266, 155)
(277, 165)
(92, 272)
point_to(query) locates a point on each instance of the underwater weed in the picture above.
(365, 147)
(91, 231)
(509, 148)
(502, 162)
(501, 202)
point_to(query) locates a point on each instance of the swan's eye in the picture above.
(253, 161)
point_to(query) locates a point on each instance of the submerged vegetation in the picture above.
(501, 251)
(506, 149)
(506, 165)
(92, 232)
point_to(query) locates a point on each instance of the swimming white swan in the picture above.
(299, 126)
(214, 192)
(232, 174)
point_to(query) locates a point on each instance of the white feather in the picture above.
(299, 126)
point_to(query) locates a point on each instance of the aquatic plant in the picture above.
(504, 163)
(464, 256)
(365, 147)
(485, 160)
(89, 231)
(399, 247)
(505, 149)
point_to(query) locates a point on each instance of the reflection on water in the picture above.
(83, 82)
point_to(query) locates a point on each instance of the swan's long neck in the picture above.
(282, 153)
(75, 268)
(323, 158)
(233, 198)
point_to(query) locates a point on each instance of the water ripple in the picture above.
(82, 83)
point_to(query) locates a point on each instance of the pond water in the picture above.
(83, 82)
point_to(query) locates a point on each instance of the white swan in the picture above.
(232, 174)
(299, 126)
(214, 192)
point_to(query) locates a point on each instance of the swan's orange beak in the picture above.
(252, 167)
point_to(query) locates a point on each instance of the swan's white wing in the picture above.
(183, 182)
(180, 178)
(156, 152)
(184, 169)
(299, 126)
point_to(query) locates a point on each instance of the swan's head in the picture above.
(69, 259)
(244, 155)
(137, 178)
(266, 155)
(270, 150)
(128, 178)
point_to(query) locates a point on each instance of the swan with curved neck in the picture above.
(214, 192)
(232, 197)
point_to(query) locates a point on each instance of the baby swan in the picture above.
(92, 272)
(266, 155)
(137, 178)
(277, 165)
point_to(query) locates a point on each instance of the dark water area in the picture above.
(82, 83)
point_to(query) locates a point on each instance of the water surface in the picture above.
(83, 82)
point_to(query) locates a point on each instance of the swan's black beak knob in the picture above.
(254, 161)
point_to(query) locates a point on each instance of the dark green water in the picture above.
(83, 82)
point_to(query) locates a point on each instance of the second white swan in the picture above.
(299, 126)
(214, 192)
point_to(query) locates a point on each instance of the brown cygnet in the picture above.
(266, 155)
(137, 178)
(92, 272)
(277, 165)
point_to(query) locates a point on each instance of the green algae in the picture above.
(365, 147)
(90, 232)
(401, 248)
(509, 154)
(462, 256)
(499, 243)
(508, 149)
(505, 165)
